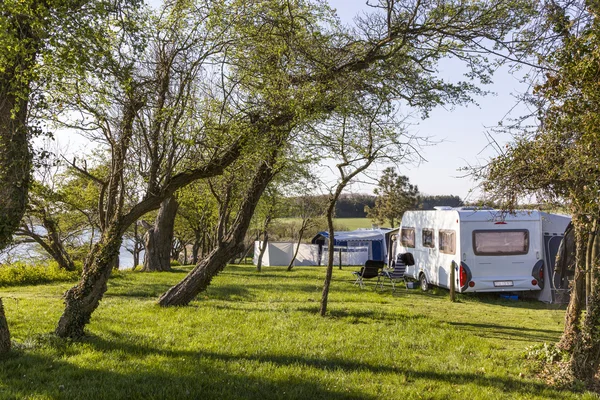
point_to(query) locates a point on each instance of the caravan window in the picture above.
(408, 237)
(428, 238)
(501, 242)
(447, 241)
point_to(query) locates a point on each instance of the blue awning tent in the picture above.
(375, 239)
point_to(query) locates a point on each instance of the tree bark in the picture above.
(201, 276)
(4, 332)
(196, 247)
(329, 272)
(263, 248)
(573, 314)
(300, 235)
(159, 238)
(585, 358)
(82, 299)
(15, 161)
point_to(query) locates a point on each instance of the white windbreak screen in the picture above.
(501, 242)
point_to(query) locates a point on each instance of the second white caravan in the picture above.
(491, 251)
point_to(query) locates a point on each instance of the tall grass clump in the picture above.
(20, 274)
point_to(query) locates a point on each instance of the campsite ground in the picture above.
(258, 336)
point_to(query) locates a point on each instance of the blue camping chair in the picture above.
(369, 271)
(398, 273)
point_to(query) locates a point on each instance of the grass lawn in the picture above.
(258, 336)
(356, 223)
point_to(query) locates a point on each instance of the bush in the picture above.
(175, 263)
(19, 273)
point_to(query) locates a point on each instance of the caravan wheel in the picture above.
(423, 282)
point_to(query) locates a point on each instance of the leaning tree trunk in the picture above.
(576, 302)
(55, 246)
(201, 276)
(159, 238)
(300, 235)
(82, 299)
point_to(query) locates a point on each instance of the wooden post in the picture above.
(340, 255)
(453, 282)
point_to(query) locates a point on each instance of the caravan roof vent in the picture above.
(443, 208)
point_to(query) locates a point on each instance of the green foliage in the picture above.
(174, 263)
(21, 274)
(254, 336)
(395, 195)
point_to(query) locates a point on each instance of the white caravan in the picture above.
(491, 251)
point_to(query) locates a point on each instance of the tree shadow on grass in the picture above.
(508, 332)
(128, 289)
(26, 374)
(152, 383)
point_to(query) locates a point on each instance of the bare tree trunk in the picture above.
(263, 248)
(196, 247)
(573, 314)
(588, 264)
(331, 242)
(159, 238)
(201, 276)
(300, 235)
(4, 331)
(82, 299)
(245, 253)
(52, 246)
(586, 351)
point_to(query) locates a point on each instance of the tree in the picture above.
(309, 208)
(199, 210)
(115, 94)
(31, 31)
(159, 237)
(395, 195)
(298, 66)
(558, 160)
(362, 138)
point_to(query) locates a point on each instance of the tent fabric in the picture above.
(374, 239)
(308, 255)
(281, 253)
(350, 255)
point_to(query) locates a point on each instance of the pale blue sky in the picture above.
(461, 131)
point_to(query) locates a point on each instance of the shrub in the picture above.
(19, 273)
(175, 263)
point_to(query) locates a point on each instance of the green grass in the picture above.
(259, 336)
(356, 223)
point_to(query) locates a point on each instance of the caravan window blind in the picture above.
(427, 238)
(407, 237)
(504, 242)
(447, 241)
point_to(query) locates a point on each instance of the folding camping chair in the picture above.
(394, 275)
(369, 271)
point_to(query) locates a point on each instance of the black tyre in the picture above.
(423, 283)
